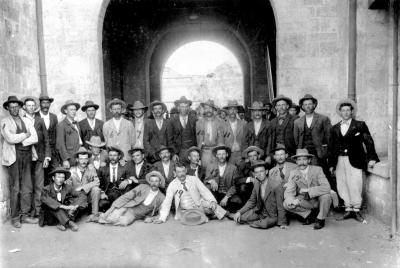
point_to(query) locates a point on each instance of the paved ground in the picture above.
(215, 244)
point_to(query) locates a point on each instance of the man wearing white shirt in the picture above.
(138, 167)
(165, 166)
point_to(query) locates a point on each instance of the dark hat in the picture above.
(301, 152)
(138, 105)
(308, 97)
(45, 97)
(115, 149)
(257, 105)
(253, 148)
(191, 149)
(347, 101)
(183, 99)
(89, 104)
(210, 103)
(116, 101)
(279, 147)
(12, 99)
(129, 107)
(259, 163)
(193, 216)
(282, 97)
(68, 103)
(173, 110)
(82, 150)
(156, 174)
(136, 148)
(95, 141)
(232, 103)
(221, 147)
(241, 109)
(60, 170)
(163, 147)
(157, 102)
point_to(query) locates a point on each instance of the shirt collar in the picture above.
(44, 115)
(346, 122)
(305, 171)
(59, 190)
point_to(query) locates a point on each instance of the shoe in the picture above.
(29, 220)
(16, 224)
(358, 217)
(61, 227)
(93, 218)
(346, 215)
(308, 220)
(73, 226)
(319, 224)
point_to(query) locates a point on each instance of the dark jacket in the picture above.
(201, 172)
(160, 168)
(180, 139)
(52, 130)
(131, 171)
(104, 176)
(262, 139)
(153, 138)
(67, 140)
(87, 132)
(288, 125)
(352, 144)
(230, 177)
(68, 195)
(42, 147)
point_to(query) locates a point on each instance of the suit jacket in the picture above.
(42, 147)
(153, 137)
(160, 168)
(201, 172)
(275, 174)
(67, 139)
(288, 125)
(131, 171)
(124, 139)
(49, 196)
(175, 135)
(88, 181)
(104, 177)
(315, 182)
(139, 139)
(218, 129)
(87, 132)
(355, 139)
(102, 158)
(52, 130)
(10, 138)
(229, 136)
(272, 204)
(320, 131)
(262, 139)
(136, 196)
(230, 176)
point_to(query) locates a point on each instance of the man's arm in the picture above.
(290, 191)
(323, 188)
(60, 142)
(9, 136)
(251, 203)
(166, 204)
(47, 148)
(296, 133)
(369, 143)
(48, 200)
(204, 192)
(94, 180)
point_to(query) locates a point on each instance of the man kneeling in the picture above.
(264, 209)
(308, 189)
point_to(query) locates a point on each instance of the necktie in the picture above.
(184, 186)
(113, 175)
(281, 119)
(281, 173)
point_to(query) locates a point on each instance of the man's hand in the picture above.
(78, 189)
(122, 162)
(332, 171)
(371, 163)
(158, 221)
(214, 185)
(123, 184)
(74, 207)
(133, 178)
(148, 220)
(103, 196)
(236, 217)
(303, 190)
(213, 205)
(175, 158)
(66, 164)
(285, 185)
(45, 163)
(224, 201)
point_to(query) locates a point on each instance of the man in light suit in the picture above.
(118, 131)
(165, 166)
(19, 135)
(281, 170)
(308, 189)
(68, 134)
(90, 126)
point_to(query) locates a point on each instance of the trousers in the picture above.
(322, 202)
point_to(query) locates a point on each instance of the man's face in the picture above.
(13, 108)
(154, 183)
(257, 114)
(252, 156)
(70, 111)
(268, 108)
(221, 156)
(83, 160)
(59, 179)
(116, 110)
(183, 109)
(157, 111)
(280, 156)
(222, 115)
(45, 105)
(95, 150)
(346, 112)
(260, 173)
(232, 111)
(282, 107)
(303, 162)
(180, 173)
(30, 106)
(308, 106)
(91, 112)
(292, 111)
(137, 157)
(165, 155)
(138, 113)
(113, 156)
(208, 111)
(241, 115)
(194, 157)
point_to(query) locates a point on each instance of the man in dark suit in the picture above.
(155, 131)
(51, 122)
(137, 168)
(42, 155)
(264, 209)
(194, 167)
(90, 126)
(282, 126)
(182, 130)
(269, 114)
(165, 166)
(68, 134)
(348, 158)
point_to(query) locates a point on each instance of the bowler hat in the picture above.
(308, 97)
(252, 148)
(95, 141)
(69, 103)
(89, 104)
(282, 97)
(302, 152)
(183, 99)
(12, 99)
(156, 174)
(193, 216)
(45, 97)
(116, 101)
(82, 150)
(60, 170)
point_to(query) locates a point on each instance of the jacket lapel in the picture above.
(268, 190)
(314, 120)
(302, 121)
(351, 128)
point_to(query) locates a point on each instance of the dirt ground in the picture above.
(215, 244)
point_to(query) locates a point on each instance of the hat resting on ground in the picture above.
(193, 217)
(156, 174)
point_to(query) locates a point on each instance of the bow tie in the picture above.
(74, 122)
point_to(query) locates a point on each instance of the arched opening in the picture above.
(202, 70)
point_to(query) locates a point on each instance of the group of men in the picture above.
(200, 166)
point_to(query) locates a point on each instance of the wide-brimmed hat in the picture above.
(257, 105)
(241, 109)
(183, 99)
(232, 103)
(157, 174)
(82, 150)
(115, 149)
(136, 148)
(116, 101)
(60, 170)
(68, 103)
(282, 97)
(45, 97)
(221, 147)
(253, 148)
(157, 102)
(193, 216)
(163, 147)
(279, 147)
(12, 99)
(89, 104)
(302, 152)
(95, 141)
(308, 97)
(138, 105)
(260, 163)
(191, 149)
(347, 101)
(210, 103)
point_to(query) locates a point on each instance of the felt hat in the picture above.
(45, 97)
(12, 99)
(136, 148)
(89, 104)
(347, 101)
(162, 148)
(60, 170)
(257, 105)
(115, 149)
(282, 97)
(69, 103)
(221, 147)
(157, 102)
(279, 147)
(95, 141)
(260, 163)
(82, 150)
(253, 148)
(209, 103)
(308, 97)
(193, 217)
(183, 99)
(241, 109)
(232, 103)
(302, 152)
(156, 174)
(116, 101)
(191, 149)
(138, 105)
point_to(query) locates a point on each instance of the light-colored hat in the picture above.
(302, 152)
(193, 217)
(137, 105)
(95, 141)
(308, 97)
(157, 102)
(209, 103)
(257, 105)
(156, 174)
(69, 103)
(232, 103)
(191, 149)
(83, 150)
(282, 97)
(183, 99)
(221, 147)
(350, 102)
(89, 104)
(253, 148)
(116, 101)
